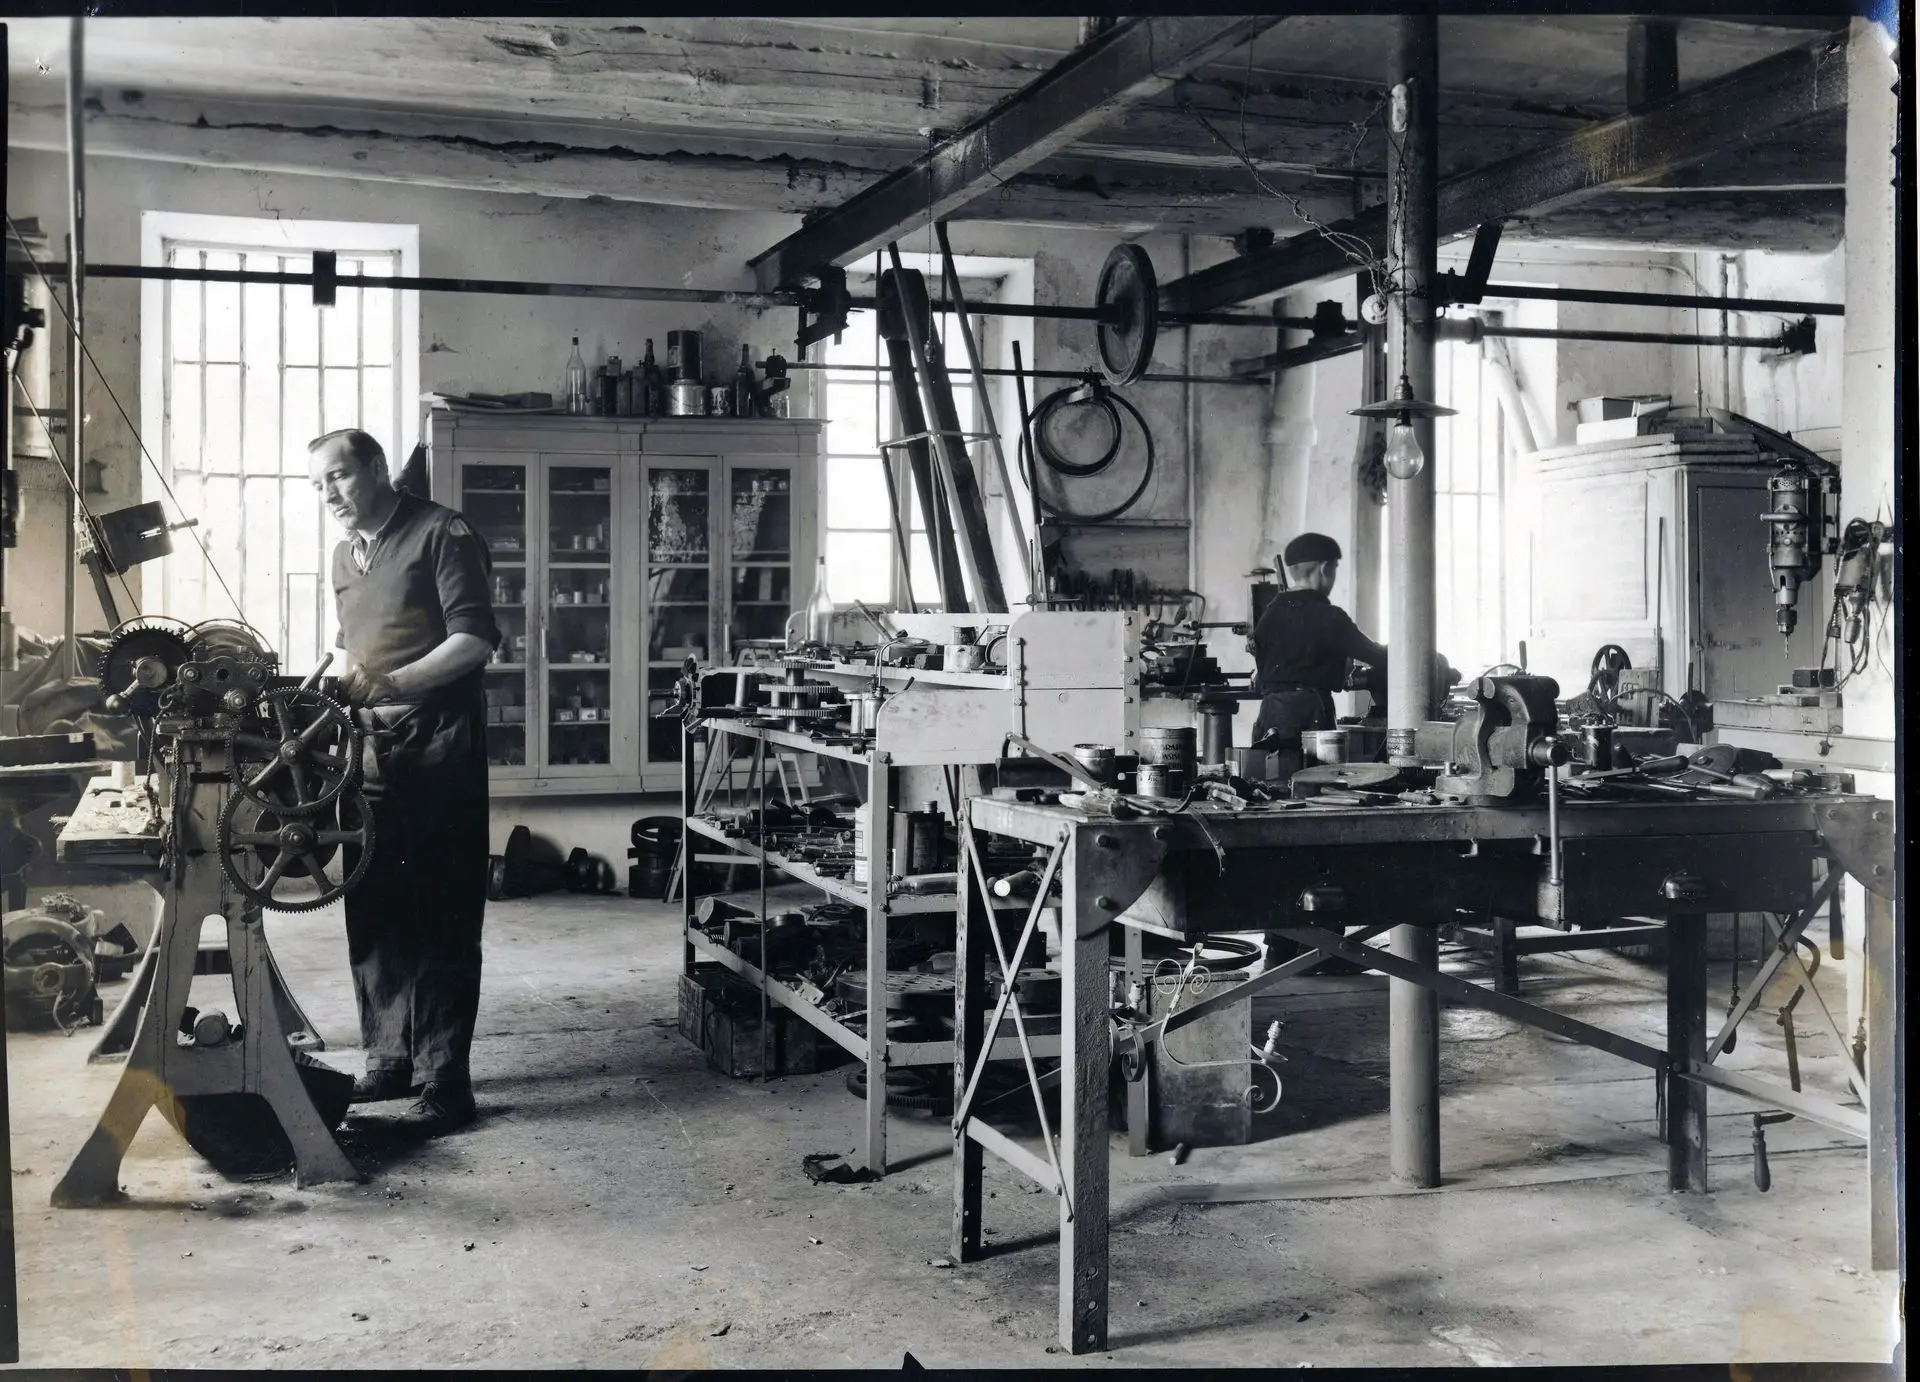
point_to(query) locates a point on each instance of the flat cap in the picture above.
(1311, 547)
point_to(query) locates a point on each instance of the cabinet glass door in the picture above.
(579, 704)
(759, 553)
(494, 496)
(679, 589)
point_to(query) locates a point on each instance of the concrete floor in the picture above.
(619, 1205)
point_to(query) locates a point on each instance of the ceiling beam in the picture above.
(1777, 92)
(1131, 62)
(569, 161)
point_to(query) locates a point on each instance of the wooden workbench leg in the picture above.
(879, 866)
(1506, 961)
(969, 1044)
(1686, 1042)
(1086, 1048)
(1886, 1054)
(1140, 1091)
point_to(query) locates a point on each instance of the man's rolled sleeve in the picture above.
(460, 572)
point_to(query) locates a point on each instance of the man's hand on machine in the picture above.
(364, 686)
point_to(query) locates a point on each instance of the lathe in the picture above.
(247, 799)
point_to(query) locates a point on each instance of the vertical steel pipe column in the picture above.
(76, 354)
(1413, 1011)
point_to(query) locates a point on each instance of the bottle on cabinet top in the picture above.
(656, 384)
(576, 381)
(743, 391)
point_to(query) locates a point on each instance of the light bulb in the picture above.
(1405, 459)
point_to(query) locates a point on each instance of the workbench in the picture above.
(1311, 872)
(24, 786)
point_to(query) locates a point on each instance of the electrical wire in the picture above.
(1353, 247)
(138, 441)
(1041, 447)
(1194, 977)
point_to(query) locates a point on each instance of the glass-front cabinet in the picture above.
(494, 493)
(620, 549)
(720, 542)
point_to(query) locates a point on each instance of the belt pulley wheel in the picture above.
(228, 636)
(263, 851)
(302, 756)
(1128, 300)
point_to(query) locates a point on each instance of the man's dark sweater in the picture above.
(1303, 641)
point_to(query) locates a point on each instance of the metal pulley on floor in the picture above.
(1128, 300)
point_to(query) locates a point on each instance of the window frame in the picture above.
(989, 280)
(161, 232)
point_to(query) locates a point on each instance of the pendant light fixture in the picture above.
(1405, 456)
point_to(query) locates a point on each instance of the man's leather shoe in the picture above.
(444, 1106)
(384, 1082)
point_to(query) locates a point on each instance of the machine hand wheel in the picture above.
(305, 757)
(261, 849)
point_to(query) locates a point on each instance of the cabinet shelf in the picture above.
(579, 604)
(579, 666)
(506, 667)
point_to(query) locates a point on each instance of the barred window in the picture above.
(248, 374)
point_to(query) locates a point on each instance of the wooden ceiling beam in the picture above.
(497, 156)
(1802, 84)
(1134, 61)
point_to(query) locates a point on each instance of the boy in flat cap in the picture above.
(1301, 647)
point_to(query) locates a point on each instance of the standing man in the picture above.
(416, 623)
(1301, 647)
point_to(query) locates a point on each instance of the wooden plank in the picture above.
(1085, 1054)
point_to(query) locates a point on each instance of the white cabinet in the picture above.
(1666, 556)
(621, 547)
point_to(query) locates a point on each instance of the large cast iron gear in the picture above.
(141, 663)
(228, 636)
(260, 849)
(306, 753)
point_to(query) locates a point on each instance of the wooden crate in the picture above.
(732, 1040)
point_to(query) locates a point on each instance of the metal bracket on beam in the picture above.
(827, 305)
(1466, 290)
